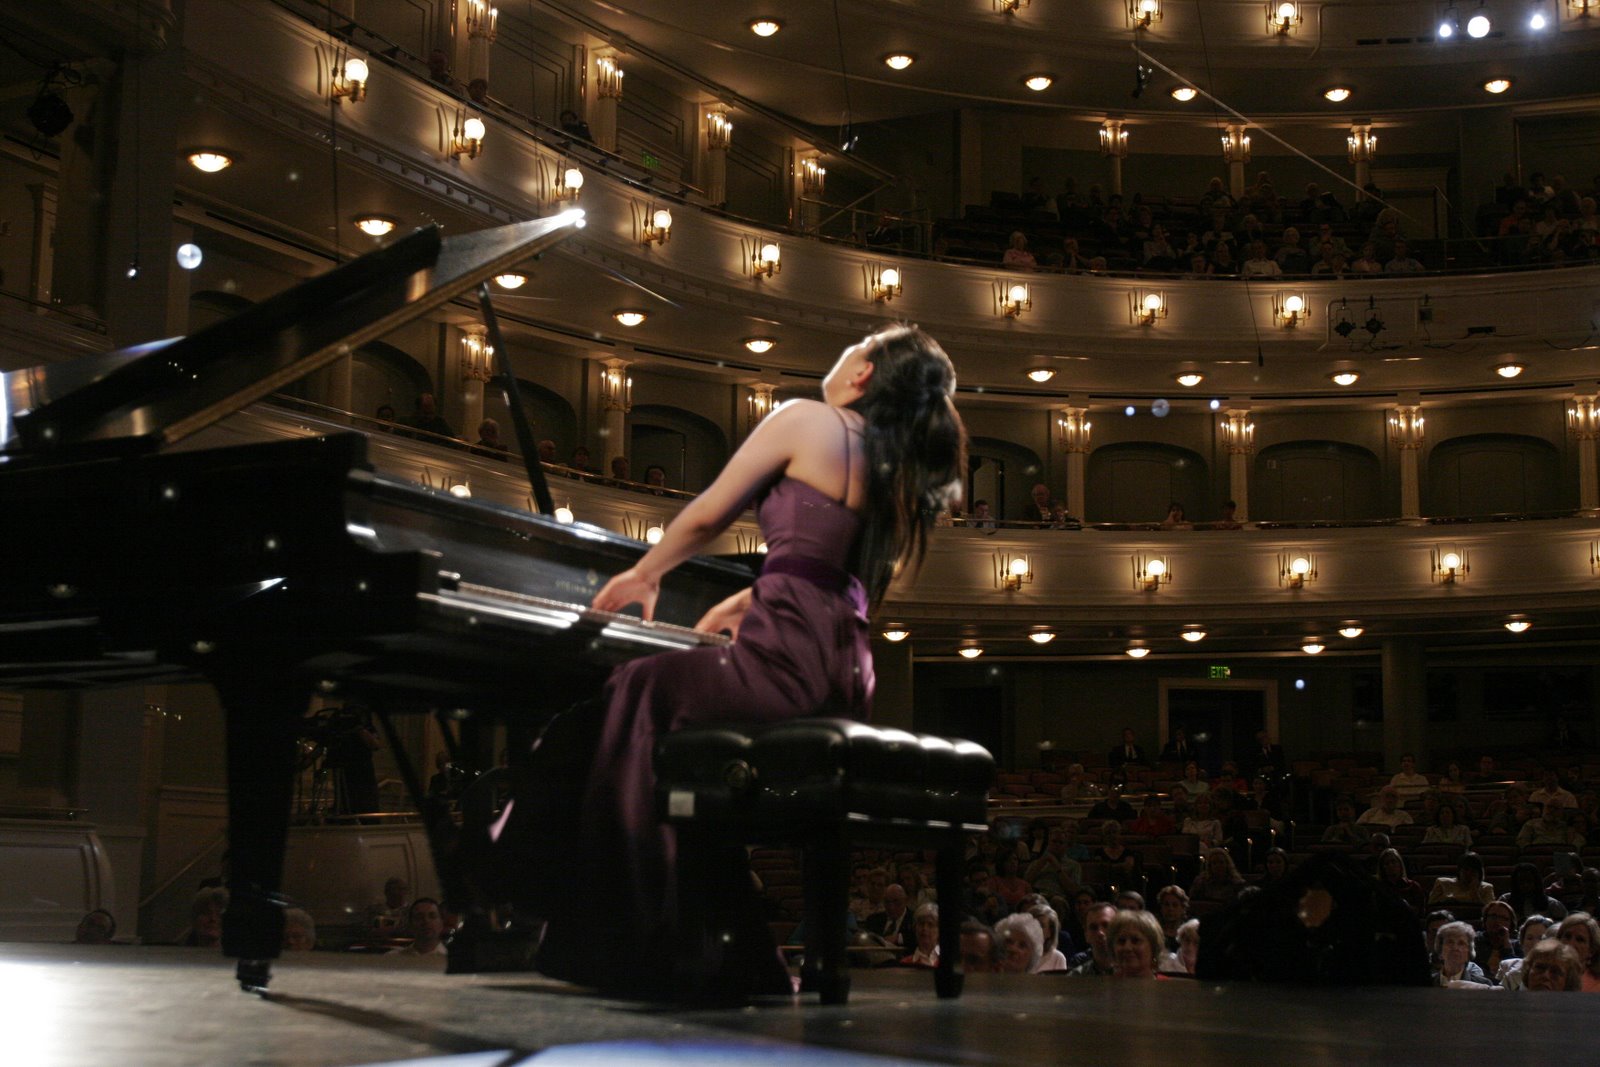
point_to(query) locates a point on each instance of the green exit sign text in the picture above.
(1221, 672)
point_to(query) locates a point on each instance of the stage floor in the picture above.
(73, 1006)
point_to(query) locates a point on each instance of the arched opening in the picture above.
(1003, 474)
(1310, 481)
(383, 374)
(549, 415)
(1135, 481)
(691, 449)
(1494, 474)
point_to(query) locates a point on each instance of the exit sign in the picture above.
(1221, 672)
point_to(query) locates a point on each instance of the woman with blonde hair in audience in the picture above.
(1580, 932)
(1452, 953)
(1392, 873)
(1202, 824)
(1219, 881)
(1053, 958)
(1136, 943)
(1533, 930)
(1189, 945)
(1021, 943)
(1552, 967)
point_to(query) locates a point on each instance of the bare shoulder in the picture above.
(800, 412)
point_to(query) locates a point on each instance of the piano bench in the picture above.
(827, 786)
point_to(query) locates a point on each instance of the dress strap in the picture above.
(844, 498)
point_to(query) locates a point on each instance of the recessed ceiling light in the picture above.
(1497, 85)
(1345, 377)
(1517, 624)
(1478, 26)
(1137, 651)
(1350, 629)
(1311, 646)
(899, 60)
(511, 280)
(895, 632)
(765, 27)
(1510, 370)
(1338, 94)
(629, 317)
(375, 225)
(1041, 374)
(210, 161)
(1189, 378)
(759, 345)
(970, 651)
(1192, 634)
(1042, 637)
(1039, 82)
(1184, 93)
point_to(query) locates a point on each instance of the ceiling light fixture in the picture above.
(1192, 634)
(1352, 630)
(1042, 636)
(1137, 651)
(759, 345)
(1518, 624)
(765, 27)
(629, 316)
(1039, 82)
(1478, 26)
(1510, 370)
(895, 632)
(1041, 374)
(376, 225)
(1311, 646)
(1345, 377)
(1185, 93)
(1497, 85)
(1189, 378)
(970, 650)
(209, 160)
(511, 280)
(899, 60)
(1449, 22)
(1338, 94)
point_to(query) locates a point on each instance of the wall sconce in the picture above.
(813, 177)
(1141, 13)
(758, 405)
(348, 79)
(566, 183)
(482, 20)
(476, 352)
(654, 224)
(1406, 427)
(562, 514)
(1236, 145)
(719, 131)
(466, 136)
(1011, 299)
(644, 528)
(1594, 556)
(883, 283)
(749, 544)
(1296, 569)
(1012, 572)
(607, 78)
(1580, 9)
(895, 632)
(448, 483)
(1072, 428)
(616, 387)
(764, 256)
(1283, 18)
(1147, 306)
(1363, 144)
(1113, 139)
(1290, 310)
(1583, 418)
(1450, 565)
(1239, 433)
(1150, 573)
(1010, 7)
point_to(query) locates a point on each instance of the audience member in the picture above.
(1266, 757)
(1533, 930)
(96, 928)
(1096, 961)
(1137, 945)
(1222, 261)
(1345, 830)
(1129, 751)
(1552, 967)
(1452, 952)
(1191, 782)
(1581, 933)
(299, 930)
(1021, 943)
(1219, 881)
(1053, 959)
(1386, 812)
(205, 919)
(1202, 823)
(1527, 895)
(1408, 783)
(427, 417)
(1259, 264)
(1497, 943)
(1113, 807)
(1403, 263)
(1114, 852)
(1550, 791)
(576, 127)
(1467, 887)
(1446, 831)
(1152, 820)
(619, 469)
(489, 438)
(547, 451)
(1017, 256)
(426, 923)
(1392, 875)
(1188, 951)
(1175, 519)
(980, 951)
(1367, 262)
(1055, 873)
(1290, 256)
(581, 460)
(891, 924)
(925, 928)
(1550, 828)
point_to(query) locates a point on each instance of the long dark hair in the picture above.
(916, 452)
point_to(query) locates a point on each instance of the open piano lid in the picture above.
(144, 397)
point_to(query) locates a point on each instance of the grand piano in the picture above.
(277, 570)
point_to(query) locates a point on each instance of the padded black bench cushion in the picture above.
(803, 772)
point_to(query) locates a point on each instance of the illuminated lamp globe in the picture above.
(1294, 305)
(461, 489)
(899, 61)
(565, 516)
(1450, 561)
(375, 225)
(970, 652)
(1478, 26)
(1041, 374)
(654, 534)
(1518, 626)
(896, 633)
(1137, 651)
(1338, 94)
(890, 276)
(1152, 302)
(1497, 85)
(662, 219)
(758, 345)
(210, 162)
(1156, 568)
(629, 317)
(1042, 637)
(1193, 634)
(1018, 567)
(1300, 565)
(473, 129)
(572, 178)
(1345, 377)
(1184, 93)
(1017, 294)
(511, 280)
(1351, 630)
(1038, 82)
(1190, 379)
(355, 69)
(765, 27)
(1311, 646)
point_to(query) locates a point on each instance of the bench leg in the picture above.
(948, 883)
(827, 889)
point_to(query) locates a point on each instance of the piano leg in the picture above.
(262, 721)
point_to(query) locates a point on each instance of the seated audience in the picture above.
(1551, 791)
(1172, 908)
(1137, 947)
(1367, 262)
(1392, 875)
(1467, 887)
(1446, 831)
(980, 951)
(1178, 749)
(1533, 930)
(1113, 851)
(205, 919)
(1191, 782)
(1550, 828)
(1188, 950)
(1452, 953)
(1053, 959)
(1527, 894)
(1223, 262)
(892, 924)
(1259, 264)
(1021, 943)
(1219, 881)
(1273, 867)
(1152, 821)
(1096, 961)
(1017, 256)
(489, 438)
(426, 923)
(1345, 830)
(299, 930)
(1551, 967)
(1386, 812)
(1112, 806)
(1201, 823)
(1175, 519)
(1330, 262)
(1055, 873)
(1581, 933)
(1497, 943)
(1408, 783)
(1290, 257)
(925, 926)
(1403, 262)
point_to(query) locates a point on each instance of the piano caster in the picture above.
(254, 975)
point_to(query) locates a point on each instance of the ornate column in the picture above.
(616, 400)
(1405, 433)
(1114, 145)
(482, 27)
(1236, 151)
(1072, 428)
(717, 137)
(607, 95)
(1239, 437)
(1583, 424)
(1363, 145)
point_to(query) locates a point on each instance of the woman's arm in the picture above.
(762, 459)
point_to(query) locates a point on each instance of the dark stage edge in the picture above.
(72, 1006)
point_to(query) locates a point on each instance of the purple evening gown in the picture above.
(803, 649)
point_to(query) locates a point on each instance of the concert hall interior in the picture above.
(1276, 327)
